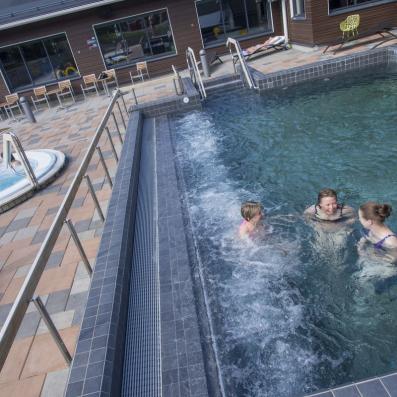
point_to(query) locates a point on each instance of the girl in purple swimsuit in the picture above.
(372, 216)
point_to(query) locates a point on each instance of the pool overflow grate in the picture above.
(142, 368)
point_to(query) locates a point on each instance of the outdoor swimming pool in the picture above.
(296, 312)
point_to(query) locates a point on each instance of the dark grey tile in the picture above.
(390, 383)
(18, 224)
(56, 301)
(372, 388)
(348, 391)
(55, 259)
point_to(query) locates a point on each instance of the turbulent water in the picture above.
(297, 310)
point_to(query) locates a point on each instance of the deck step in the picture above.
(225, 87)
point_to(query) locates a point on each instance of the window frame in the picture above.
(357, 7)
(147, 59)
(298, 17)
(50, 82)
(241, 38)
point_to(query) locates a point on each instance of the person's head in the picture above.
(327, 201)
(252, 211)
(372, 213)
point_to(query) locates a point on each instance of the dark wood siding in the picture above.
(300, 31)
(326, 27)
(78, 28)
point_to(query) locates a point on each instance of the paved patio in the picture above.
(34, 366)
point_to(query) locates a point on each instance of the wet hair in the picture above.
(376, 212)
(326, 193)
(250, 208)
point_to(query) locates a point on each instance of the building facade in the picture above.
(43, 42)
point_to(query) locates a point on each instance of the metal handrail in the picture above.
(10, 138)
(233, 42)
(194, 72)
(25, 295)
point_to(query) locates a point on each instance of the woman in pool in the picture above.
(252, 213)
(372, 216)
(328, 209)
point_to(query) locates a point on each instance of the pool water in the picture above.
(299, 310)
(10, 176)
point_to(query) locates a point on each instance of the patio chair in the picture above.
(65, 88)
(142, 70)
(40, 95)
(349, 27)
(272, 43)
(13, 103)
(90, 84)
(107, 78)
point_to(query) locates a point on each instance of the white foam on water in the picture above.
(256, 312)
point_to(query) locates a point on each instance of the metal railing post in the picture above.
(94, 197)
(117, 127)
(105, 167)
(79, 246)
(112, 144)
(134, 95)
(124, 104)
(122, 117)
(51, 327)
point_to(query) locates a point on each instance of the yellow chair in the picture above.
(349, 26)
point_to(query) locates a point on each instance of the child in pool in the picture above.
(384, 242)
(252, 213)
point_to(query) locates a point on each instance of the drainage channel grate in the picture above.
(142, 371)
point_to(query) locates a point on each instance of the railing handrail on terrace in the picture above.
(194, 72)
(25, 295)
(233, 42)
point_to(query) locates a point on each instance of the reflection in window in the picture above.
(338, 4)
(235, 18)
(298, 8)
(135, 38)
(37, 62)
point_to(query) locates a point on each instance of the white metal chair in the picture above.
(40, 96)
(142, 70)
(65, 88)
(107, 78)
(90, 84)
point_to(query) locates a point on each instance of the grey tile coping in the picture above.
(96, 367)
(173, 103)
(321, 69)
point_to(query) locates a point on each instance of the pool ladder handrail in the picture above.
(195, 72)
(233, 43)
(10, 138)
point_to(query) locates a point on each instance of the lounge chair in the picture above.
(40, 96)
(272, 43)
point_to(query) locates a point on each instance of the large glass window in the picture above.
(135, 38)
(297, 8)
(340, 4)
(235, 18)
(37, 62)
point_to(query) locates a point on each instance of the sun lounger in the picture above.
(273, 43)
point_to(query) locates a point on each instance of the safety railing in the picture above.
(235, 52)
(194, 72)
(26, 293)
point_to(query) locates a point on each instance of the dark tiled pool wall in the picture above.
(97, 365)
(325, 68)
(187, 368)
(173, 103)
(214, 381)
